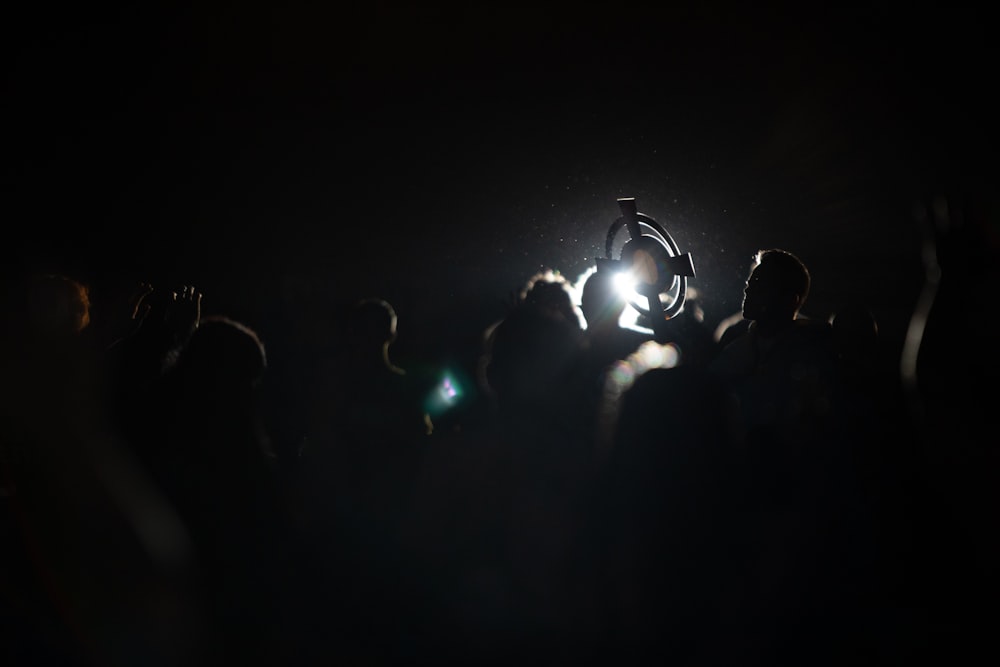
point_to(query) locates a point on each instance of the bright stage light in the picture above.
(625, 282)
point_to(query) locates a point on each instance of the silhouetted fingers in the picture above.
(188, 292)
(139, 307)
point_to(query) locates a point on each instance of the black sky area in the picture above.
(440, 154)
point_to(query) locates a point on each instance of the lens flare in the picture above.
(447, 393)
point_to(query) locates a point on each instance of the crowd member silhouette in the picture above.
(664, 524)
(812, 527)
(602, 305)
(49, 351)
(778, 365)
(368, 433)
(684, 337)
(531, 356)
(209, 451)
(378, 394)
(888, 485)
(950, 377)
(94, 560)
(605, 341)
(48, 413)
(533, 367)
(866, 396)
(364, 394)
(159, 322)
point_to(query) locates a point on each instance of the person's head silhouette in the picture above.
(776, 289)
(601, 301)
(222, 355)
(549, 293)
(57, 306)
(370, 329)
(373, 321)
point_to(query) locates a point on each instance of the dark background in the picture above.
(438, 155)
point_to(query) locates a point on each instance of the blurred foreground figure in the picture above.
(545, 434)
(210, 454)
(94, 567)
(532, 354)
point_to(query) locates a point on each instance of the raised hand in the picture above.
(138, 303)
(169, 317)
(129, 314)
(183, 311)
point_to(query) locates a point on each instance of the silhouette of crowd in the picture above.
(175, 492)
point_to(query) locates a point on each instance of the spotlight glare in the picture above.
(625, 282)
